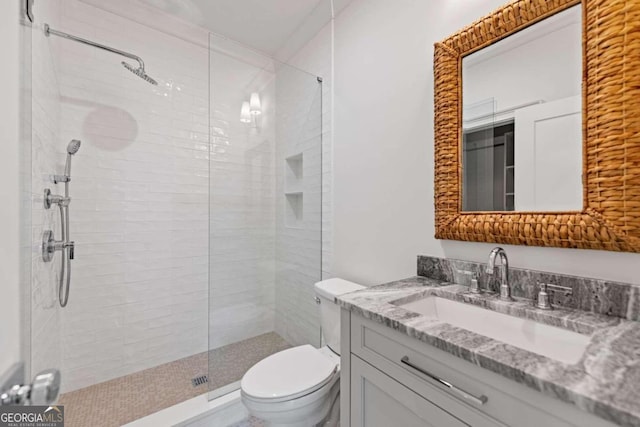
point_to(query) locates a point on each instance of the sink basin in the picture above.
(549, 341)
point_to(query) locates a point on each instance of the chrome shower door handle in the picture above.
(477, 400)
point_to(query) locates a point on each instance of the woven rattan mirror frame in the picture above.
(610, 218)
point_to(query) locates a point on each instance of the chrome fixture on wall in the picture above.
(140, 72)
(49, 244)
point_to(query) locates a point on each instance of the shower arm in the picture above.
(48, 31)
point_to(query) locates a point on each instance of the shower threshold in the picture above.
(224, 411)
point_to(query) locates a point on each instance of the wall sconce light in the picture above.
(245, 113)
(256, 108)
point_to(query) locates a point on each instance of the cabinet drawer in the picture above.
(475, 395)
(380, 401)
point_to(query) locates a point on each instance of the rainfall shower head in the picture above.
(139, 72)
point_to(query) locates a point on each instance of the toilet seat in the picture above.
(289, 374)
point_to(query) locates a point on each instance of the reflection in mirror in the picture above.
(522, 119)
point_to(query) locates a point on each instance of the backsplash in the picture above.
(594, 295)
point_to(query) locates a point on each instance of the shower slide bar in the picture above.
(49, 244)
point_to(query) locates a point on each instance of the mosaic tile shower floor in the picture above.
(125, 399)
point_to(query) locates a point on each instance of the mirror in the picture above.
(576, 170)
(522, 120)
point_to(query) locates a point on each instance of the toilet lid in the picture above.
(288, 374)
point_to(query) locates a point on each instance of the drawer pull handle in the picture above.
(467, 396)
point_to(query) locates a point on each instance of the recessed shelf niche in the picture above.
(293, 174)
(293, 216)
(293, 190)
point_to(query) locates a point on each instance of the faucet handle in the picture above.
(557, 288)
(543, 298)
(473, 280)
(466, 275)
(474, 288)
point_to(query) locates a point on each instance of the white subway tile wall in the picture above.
(140, 197)
(263, 271)
(298, 244)
(299, 104)
(316, 57)
(158, 258)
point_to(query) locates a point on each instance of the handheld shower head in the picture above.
(73, 146)
(72, 149)
(139, 72)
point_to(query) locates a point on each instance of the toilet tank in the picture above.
(327, 291)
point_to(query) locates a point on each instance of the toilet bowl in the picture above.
(299, 387)
(304, 383)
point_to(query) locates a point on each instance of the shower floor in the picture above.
(125, 399)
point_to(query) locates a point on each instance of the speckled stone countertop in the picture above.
(605, 382)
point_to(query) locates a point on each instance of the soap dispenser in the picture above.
(543, 297)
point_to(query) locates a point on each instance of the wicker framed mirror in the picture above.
(610, 217)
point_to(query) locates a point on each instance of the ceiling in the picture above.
(264, 25)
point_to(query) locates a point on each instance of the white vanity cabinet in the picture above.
(391, 379)
(379, 401)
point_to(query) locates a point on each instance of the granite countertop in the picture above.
(605, 382)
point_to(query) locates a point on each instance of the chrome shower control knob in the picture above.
(48, 245)
(45, 387)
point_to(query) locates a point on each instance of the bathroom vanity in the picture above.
(409, 359)
(519, 159)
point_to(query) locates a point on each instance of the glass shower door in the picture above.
(265, 210)
(133, 335)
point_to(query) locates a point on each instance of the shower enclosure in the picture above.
(196, 213)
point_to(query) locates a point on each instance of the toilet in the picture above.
(299, 387)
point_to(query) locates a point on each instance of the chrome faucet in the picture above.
(505, 289)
